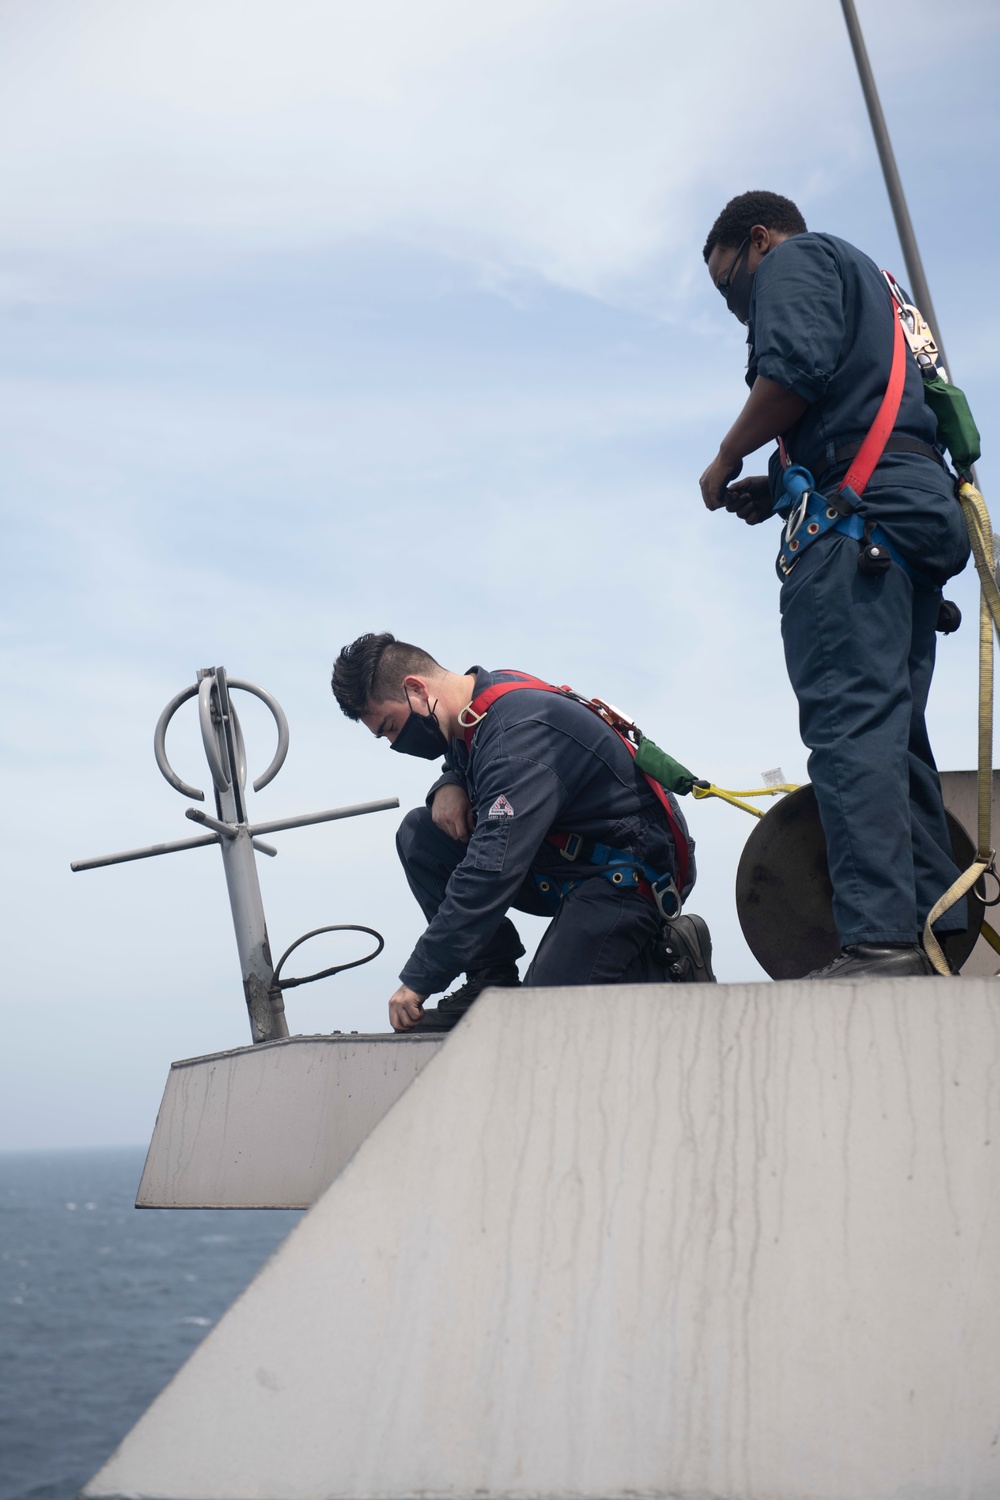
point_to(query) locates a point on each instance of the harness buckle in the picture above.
(667, 897)
(617, 719)
(571, 848)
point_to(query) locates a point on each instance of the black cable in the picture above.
(290, 984)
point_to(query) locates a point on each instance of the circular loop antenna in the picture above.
(209, 733)
(239, 748)
(160, 746)
(279, 755)
(203, 692)
(290, 984)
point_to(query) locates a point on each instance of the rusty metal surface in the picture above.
(784, 897)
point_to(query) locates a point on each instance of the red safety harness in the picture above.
(471, 717)
(865, 461)
(810, 513)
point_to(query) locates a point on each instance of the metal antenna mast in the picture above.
(919, 290)
(222, 738)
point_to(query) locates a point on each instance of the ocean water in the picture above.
(100, 1303)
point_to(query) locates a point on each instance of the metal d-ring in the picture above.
(982, 881)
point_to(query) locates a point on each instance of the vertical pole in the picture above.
(265, 1005)
(919, 290)
(224, 748)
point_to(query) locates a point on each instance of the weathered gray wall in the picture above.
(739, 1242)
(270, 1126)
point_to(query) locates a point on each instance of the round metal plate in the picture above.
(784, 898)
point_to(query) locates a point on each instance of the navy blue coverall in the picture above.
(538, 763)
(860, 650)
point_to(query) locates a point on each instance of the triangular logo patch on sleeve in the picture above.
(501, 809)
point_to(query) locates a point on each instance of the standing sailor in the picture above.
(861, 581)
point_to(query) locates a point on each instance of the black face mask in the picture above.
(738, 296)
(737, 284)
(421, 736)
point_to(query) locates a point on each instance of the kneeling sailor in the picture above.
(539, 807)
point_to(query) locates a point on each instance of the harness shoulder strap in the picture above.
(871, 450)
(472, 716)
(866, 459)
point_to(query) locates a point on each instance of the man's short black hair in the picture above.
(372, 668)
(740, 214)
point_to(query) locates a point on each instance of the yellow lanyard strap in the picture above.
(980, 529)
(734, 798)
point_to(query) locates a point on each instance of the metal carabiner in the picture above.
(796, 518)
(797, 481)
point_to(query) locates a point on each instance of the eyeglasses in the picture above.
(725, 279)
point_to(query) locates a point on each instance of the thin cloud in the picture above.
(567, 139)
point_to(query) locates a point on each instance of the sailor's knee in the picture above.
(413, 832)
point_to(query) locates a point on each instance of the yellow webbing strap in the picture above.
(980, 529)
(992, 936)
(734, 798)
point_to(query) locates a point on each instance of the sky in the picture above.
(319, 318)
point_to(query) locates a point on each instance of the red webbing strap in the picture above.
(489, 696)
(676, 833)
(871, 450)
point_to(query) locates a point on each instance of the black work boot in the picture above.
(684, 944)
(877, 961)
(453, 1007)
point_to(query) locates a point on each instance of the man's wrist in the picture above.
(425, 984)
(407, 992)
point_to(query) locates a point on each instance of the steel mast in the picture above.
(919, 290)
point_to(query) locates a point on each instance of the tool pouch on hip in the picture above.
(653, 761)
(957, 428)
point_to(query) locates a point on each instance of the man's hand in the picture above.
(750, 499)
(405, 1008)
(716, 477)
(769, 410)
(452, 812)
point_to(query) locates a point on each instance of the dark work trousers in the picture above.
(860, 654)
(599, 935)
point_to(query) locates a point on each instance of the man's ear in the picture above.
(760, 239)
(417, 689)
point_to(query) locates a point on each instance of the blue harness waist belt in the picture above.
(620, 868)
(809, 514)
